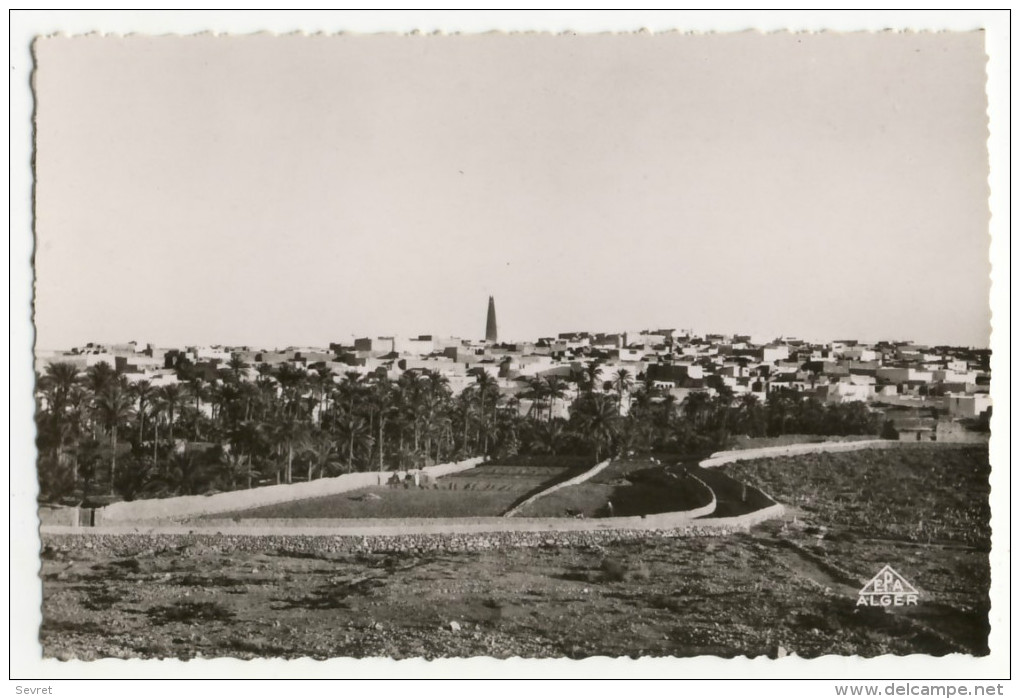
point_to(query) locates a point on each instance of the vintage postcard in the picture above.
(574, 345)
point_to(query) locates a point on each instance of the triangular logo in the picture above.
(888, 588)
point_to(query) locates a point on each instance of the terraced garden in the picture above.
(488, 490)
(625, 488)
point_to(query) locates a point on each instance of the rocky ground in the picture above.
(771, 591)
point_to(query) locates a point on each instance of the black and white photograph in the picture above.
(559, 345)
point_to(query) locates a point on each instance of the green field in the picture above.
(485, 491)
(634, 487)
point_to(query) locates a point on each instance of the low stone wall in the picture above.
(745, 522)
(440, 470)
(154, 540)
(404, 527)
(706, 509)
(233, 501)
(590, 473)
(727, 457)
(63, 516)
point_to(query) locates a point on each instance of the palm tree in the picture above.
(246, 437)
(751, 415)
(781, 407)
(442, 427)
(641, 402)
(431, 401)
(598, 421)
(407, 413)
(466, 410)
(185, 473)
(292, 381)
(143, 392)
(350, 388)
(99, 376)
(353, 432)
(592, 373)
(428, 406)
(382, 404)
(114, 407)
(668, 406)
(697, 406)
(196, 389)
(536, 393)
(57, 384)
(234, 466)
(549, 437)
(436, 383)
(267, 396)
(156, 411)
(75, 422)
(622, 381)
(288, 431)
(320, 451)
(236, 366)
(486, 386)
(555, 389)
(322, 383)
(172, 398)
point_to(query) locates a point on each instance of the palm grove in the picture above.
(99, 435)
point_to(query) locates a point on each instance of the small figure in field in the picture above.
(609, 507)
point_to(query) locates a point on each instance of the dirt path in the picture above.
(807, 567)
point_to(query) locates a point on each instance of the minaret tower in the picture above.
(490, 323)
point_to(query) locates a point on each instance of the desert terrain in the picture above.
(787, 586)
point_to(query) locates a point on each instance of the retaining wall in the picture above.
(744, 522)
(126, 543)
(727, 457)
(707, 508)
(195, 505)
(678, 515)
(677, 522)
(590, 473)
(65, 516)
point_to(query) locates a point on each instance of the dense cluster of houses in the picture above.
(952, 380)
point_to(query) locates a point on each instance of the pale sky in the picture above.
(304, 190)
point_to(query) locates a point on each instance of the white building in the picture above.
(774, 353)
(967, 405)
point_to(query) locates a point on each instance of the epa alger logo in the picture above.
(887, 589)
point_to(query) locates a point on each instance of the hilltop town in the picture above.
(391, 432)
(953, 379)
(922, 392)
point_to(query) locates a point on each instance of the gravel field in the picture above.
(614, 594)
